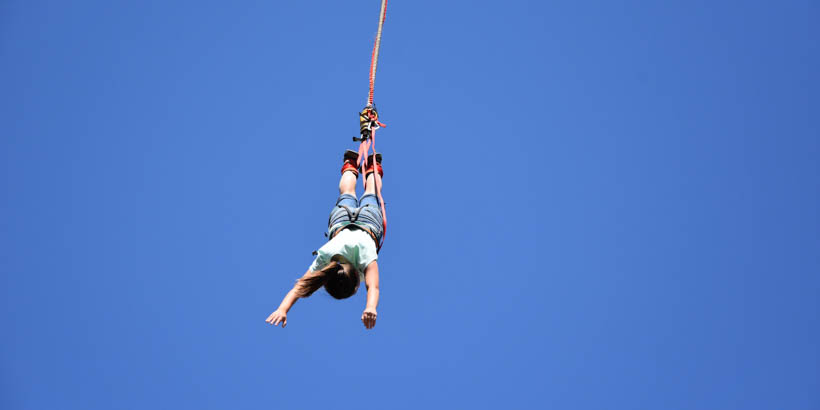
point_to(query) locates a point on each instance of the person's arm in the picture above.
(280, 315)
(371, 280)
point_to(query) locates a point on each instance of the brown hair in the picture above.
(339, 282)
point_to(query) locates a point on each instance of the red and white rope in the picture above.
(374, 60)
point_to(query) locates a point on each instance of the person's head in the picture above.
(339, 280)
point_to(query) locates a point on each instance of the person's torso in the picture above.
(352, 246)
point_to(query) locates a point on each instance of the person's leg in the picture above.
(347, 194)
(347, 183)
(370, 214)
(372, 178)
(371, 183)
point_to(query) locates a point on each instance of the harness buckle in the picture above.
(368, 122)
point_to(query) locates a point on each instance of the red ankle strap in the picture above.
(350, 167)
(370, 170)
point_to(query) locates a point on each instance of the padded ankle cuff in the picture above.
(370, 170)
(350, 167)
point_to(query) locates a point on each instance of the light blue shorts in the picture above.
(369, 214)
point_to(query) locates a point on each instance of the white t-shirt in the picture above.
(353, 246)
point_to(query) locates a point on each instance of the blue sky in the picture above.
(591, 204)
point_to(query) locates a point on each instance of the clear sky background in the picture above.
(592, 205)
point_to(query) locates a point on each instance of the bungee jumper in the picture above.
(356, 226)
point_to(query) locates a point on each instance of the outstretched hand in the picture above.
(277, 317)
(369, 318)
